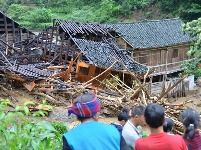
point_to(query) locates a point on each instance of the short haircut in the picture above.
(154, 115)
(168, 125)
(126, 109)
(190, 119)
(137, 110)
(123, 116)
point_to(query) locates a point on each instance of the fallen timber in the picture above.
(113, 97)
(54, 79)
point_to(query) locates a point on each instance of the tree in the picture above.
(188, 10)
(193, 66)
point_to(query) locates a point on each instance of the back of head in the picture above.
(154, 115)
(123, 116)
(190, 119)
(85, 106)
(126, 109)
(137, 110)
(168, 125)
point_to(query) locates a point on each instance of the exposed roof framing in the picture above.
(73, 28)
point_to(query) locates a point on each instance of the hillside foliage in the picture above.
(39, 13)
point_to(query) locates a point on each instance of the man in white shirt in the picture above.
(130, 131)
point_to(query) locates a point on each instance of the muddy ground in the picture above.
(21, 95)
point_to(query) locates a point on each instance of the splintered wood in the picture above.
(59, 90)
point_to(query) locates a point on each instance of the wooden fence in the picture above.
(180, 90)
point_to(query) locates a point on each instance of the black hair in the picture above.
(126, 110)
(123, 116)
(168, 125)
(154, 115)
(190, 119)
(87, 97)
(81, 119)
(138, 110)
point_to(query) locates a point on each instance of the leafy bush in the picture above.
(193, 66)
(16, 11)
(60, 127)
(17, 132)
(39, 15)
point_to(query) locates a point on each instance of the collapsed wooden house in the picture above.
(11, 31)
(159, 44)
(91, 47)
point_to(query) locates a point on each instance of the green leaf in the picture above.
(35, 145)
(26, 110)
(29, 103)
(46, 135)
(47, 125)
(14, 129)
(14, 114)
(2, 115)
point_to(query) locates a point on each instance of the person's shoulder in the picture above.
(127, 126)
(106, 125)
(141, 141)
(175, 137)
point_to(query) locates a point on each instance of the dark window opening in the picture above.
(98, 70)
(84, 70)
(175, 53)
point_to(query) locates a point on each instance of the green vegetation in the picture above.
(39, 13)
(18, 132)
(193, 66)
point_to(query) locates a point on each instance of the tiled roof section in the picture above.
(72, 27)
(152, 33)
(99, 53)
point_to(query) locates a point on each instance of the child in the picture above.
(168, 125)
(190, 119)
(122, 119)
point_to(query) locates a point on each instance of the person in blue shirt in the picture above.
(91, 134)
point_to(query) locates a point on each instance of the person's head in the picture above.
(168, 125)
(154, 115)
(122, 118)
(190, 119)
(85, 106)
(127, 110)
(137, 115)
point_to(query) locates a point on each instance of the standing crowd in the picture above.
(125, 134)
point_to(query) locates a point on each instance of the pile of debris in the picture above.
(58, 66)
(55, 84)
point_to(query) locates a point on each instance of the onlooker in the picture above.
(130, 131)
(190, 119)
(122, 119)
(168, 126)
(127, 110)
(90, 134)
(158, 139)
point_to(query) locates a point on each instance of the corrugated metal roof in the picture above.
(99, 54)
(152, 33)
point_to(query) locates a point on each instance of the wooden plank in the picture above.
(13, 27)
